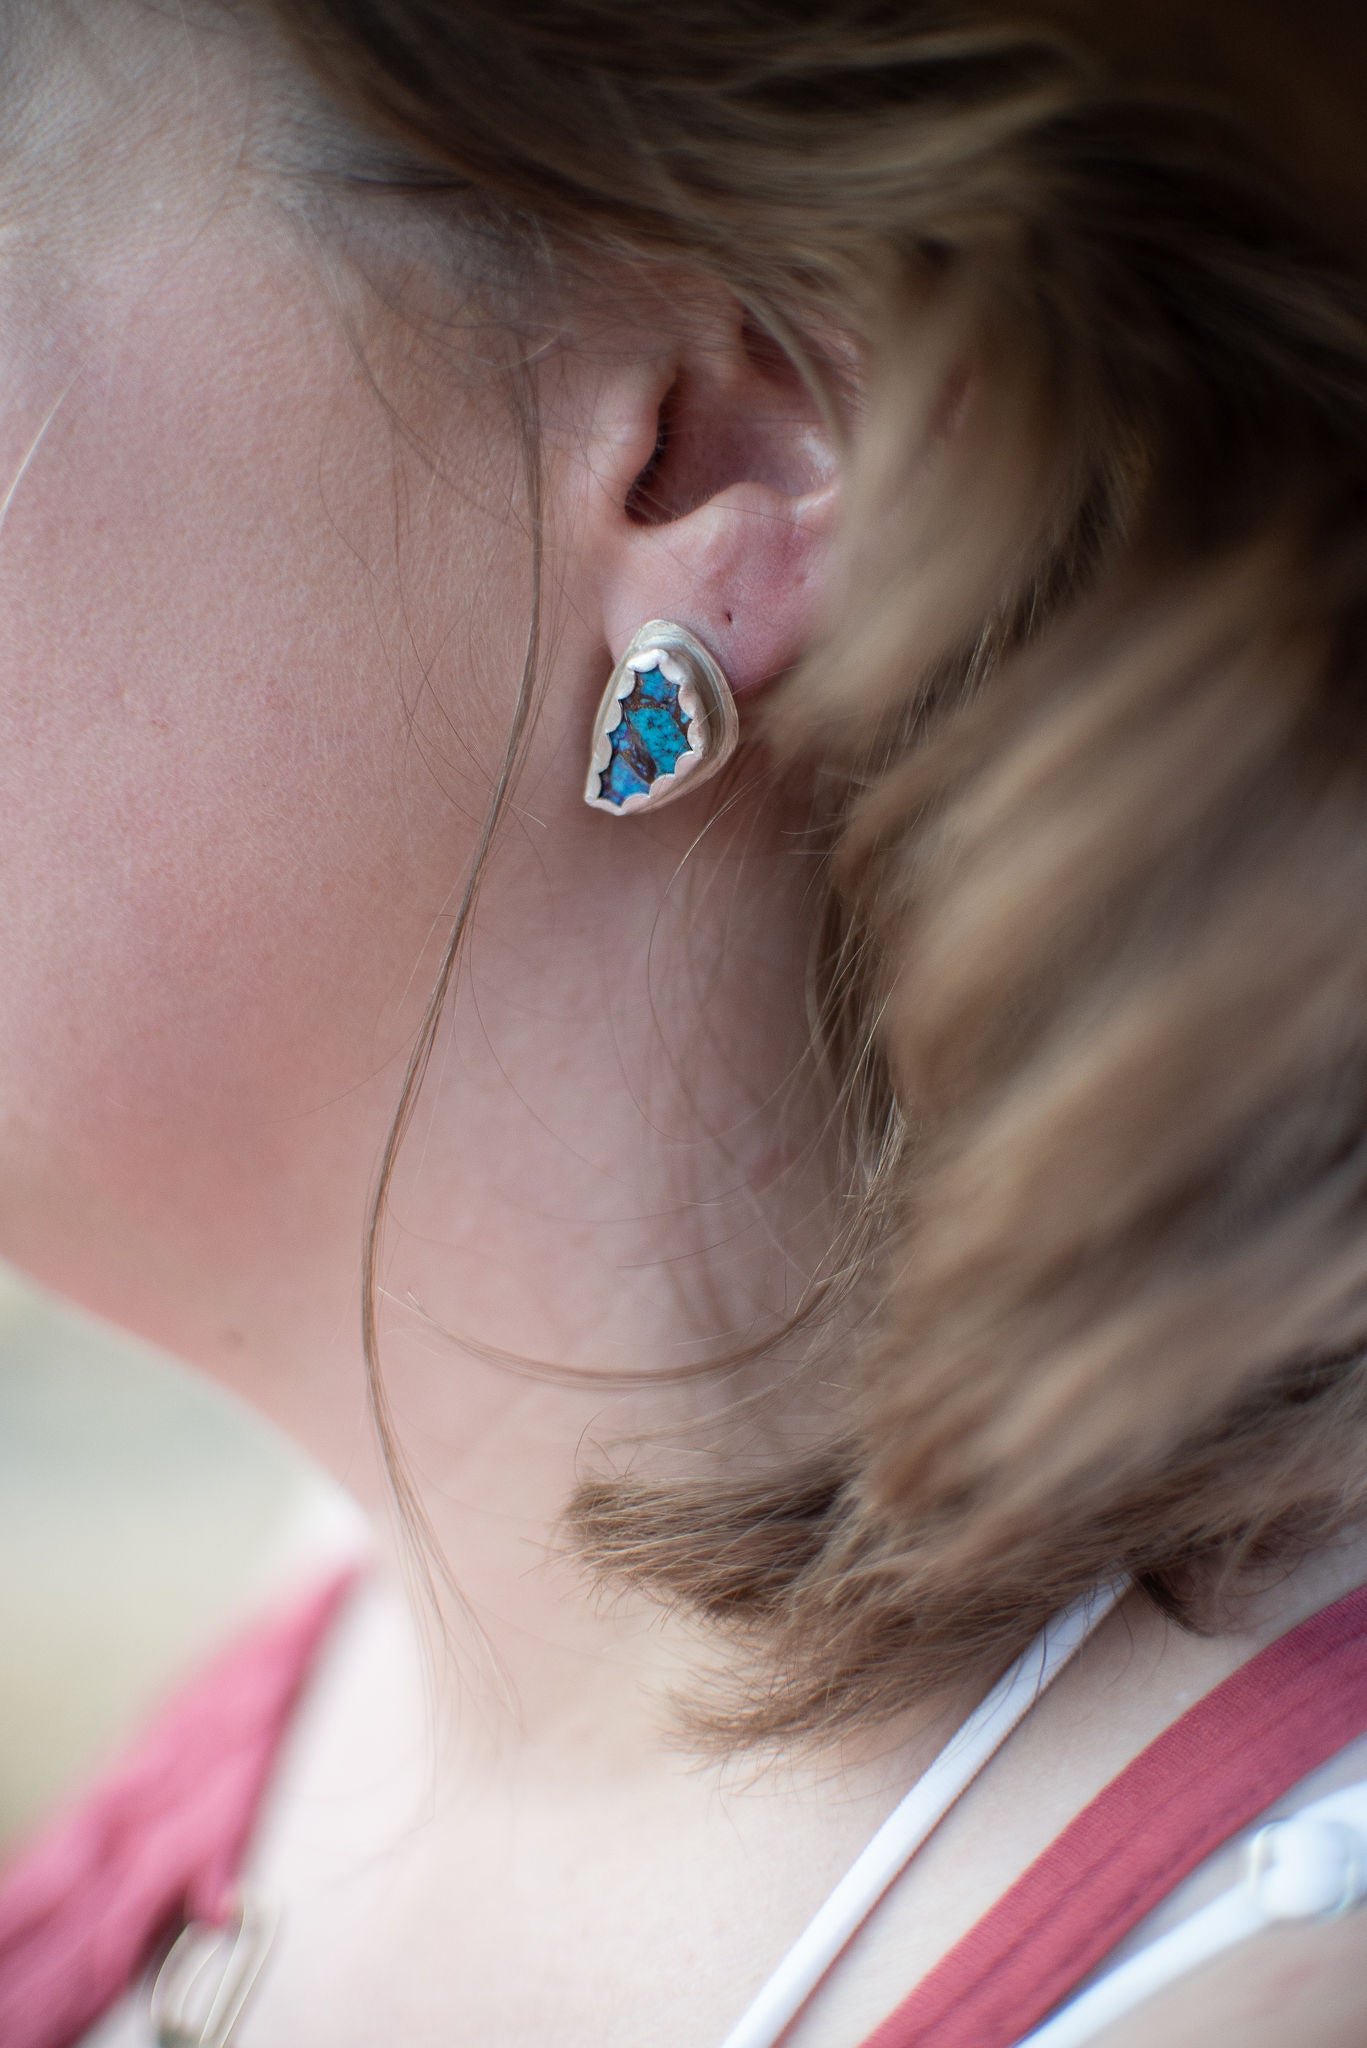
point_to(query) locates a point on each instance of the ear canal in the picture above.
(666, 723)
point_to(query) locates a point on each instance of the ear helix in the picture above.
(667, 722)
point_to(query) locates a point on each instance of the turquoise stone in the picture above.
(653, 733)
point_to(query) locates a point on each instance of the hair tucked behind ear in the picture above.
(1092, 708)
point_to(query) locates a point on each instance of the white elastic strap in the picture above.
(1311, 1866)
(924, 1807)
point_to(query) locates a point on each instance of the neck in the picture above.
(594, 1204)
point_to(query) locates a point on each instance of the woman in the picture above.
(909, 1184)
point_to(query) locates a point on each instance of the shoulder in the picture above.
(1305, 1985)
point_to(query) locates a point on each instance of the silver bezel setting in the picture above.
(704, 698)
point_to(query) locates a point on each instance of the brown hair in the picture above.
(1094, 742)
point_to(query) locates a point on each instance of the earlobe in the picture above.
(743, 571)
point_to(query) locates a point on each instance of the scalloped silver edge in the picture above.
(704, 698)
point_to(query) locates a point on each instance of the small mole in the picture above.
(729, 617)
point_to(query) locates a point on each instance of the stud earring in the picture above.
(667, 721)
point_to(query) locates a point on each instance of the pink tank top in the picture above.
(162, 1839)
(1231, 1756)
(159, 1841)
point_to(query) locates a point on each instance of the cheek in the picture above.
(235, 615)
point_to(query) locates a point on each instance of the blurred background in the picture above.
(144, 1516)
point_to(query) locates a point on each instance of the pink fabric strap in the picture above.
(1287, 1711)
(160, 1839)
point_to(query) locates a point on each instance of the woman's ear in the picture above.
(726, 524)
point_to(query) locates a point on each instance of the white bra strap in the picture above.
(1311, 1866)
(924, 1807)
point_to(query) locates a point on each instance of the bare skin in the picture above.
(264, 588)
(606, 1898)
